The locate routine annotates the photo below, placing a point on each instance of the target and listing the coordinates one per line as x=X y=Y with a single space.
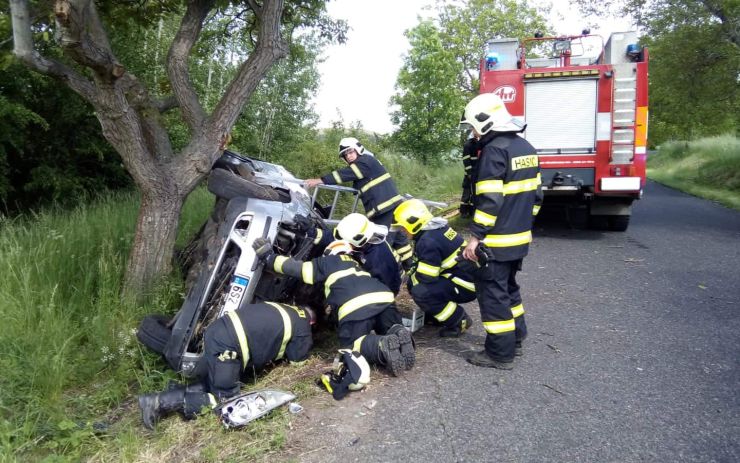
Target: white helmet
x=349 y=143
x=487 y=112
x=359 y=230
x=338 y=247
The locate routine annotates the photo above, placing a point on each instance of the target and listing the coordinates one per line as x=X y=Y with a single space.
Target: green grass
x=708 y=168
x=71 y=365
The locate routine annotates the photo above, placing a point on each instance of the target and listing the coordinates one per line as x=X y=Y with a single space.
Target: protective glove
x=466 y=210
x=302 y=223
x=263 y=248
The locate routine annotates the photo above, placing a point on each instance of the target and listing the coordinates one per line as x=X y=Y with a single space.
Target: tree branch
x=24 y=50
x=165 y=104
x=82 y=36
x=256 y=8
x=270 y=48
x=730 y=26
x=177 y=62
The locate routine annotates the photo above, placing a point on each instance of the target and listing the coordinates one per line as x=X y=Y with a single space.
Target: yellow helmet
x=412 y=215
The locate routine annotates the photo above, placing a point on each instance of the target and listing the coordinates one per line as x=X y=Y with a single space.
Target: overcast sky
x=358 y=77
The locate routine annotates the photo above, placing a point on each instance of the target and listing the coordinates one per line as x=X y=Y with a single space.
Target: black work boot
x=455 y=331
x=157 y=405
x=482 y=359
x=406 y=341
x=390 y=354
x=518 y=350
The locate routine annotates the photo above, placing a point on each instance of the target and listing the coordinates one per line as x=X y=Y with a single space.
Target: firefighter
x=377 y=256
x=378 y=191
x=242 y=340
x=508 y=195
x=440 y=281
x=470 y=160
x=362 y=304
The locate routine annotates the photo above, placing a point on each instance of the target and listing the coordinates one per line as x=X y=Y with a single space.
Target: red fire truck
x=586 y=110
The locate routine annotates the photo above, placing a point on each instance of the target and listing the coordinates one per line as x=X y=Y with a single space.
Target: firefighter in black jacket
x=470 y=161
x=242 y=340
x=440 y=281
x=377 y=256
x=362 y=304
x=508 y=195
x=378 y=191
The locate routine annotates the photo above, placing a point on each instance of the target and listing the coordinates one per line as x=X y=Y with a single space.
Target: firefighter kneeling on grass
x=440 y=281
x=362 y=304
x=242 y=340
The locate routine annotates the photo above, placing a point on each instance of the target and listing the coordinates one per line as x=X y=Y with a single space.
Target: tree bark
x=130 y=117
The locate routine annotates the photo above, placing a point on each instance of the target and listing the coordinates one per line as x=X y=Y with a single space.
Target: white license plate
x=236 y=293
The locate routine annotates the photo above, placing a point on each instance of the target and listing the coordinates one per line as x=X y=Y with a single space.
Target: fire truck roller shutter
x=561 y=114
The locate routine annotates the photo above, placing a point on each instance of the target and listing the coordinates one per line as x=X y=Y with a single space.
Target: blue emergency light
x=633 y=50
x=492 y=60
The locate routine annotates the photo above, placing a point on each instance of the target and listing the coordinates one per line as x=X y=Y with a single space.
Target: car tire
x=619 y=223
x=154 y=333
x=228 y=185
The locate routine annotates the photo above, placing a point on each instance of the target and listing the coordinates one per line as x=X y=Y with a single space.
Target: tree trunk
x=154 y=240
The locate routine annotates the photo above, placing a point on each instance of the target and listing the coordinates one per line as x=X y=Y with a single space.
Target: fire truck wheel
x=619 y=222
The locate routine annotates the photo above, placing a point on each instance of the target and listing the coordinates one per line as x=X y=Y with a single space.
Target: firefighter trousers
x=357 y=334
x=501 y=308
x=440 y=299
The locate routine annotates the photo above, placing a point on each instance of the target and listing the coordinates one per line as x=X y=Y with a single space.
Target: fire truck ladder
x=623 y=117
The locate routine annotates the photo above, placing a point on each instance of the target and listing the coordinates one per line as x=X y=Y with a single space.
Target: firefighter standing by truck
x=440 y=282
x=378 y=191
x=362 y=304
x=242 y=340
x=508 y=195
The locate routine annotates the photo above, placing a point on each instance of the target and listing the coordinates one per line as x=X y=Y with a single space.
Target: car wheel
x=154 y=333
x=228 y=185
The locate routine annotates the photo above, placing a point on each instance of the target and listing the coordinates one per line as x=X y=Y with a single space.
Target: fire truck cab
x=586 y=110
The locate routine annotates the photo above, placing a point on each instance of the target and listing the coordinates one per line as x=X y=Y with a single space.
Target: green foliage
x=695 y=63
x=440 y=73
x=707 y=167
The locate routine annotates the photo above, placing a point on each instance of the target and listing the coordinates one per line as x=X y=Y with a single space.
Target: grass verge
x=708 y=168
x=70 y=360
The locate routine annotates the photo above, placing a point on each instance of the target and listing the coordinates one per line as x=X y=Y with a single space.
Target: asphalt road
x=632 y=356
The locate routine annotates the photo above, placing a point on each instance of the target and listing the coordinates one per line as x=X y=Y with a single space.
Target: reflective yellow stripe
x=464 y=283
x=212 y=400
x=337 y=177
x=450 y=261
x=240 y=335
x=484 y=219
x=380 y=297
x=535 y=209
x=414 y=280
x=356 y=170
x=467 y=156
x=385 y=204
x=341 y=274
x=517 y=310
x=358 y=343
x=426 y=269
x=499 y=327
x=319 y=235
x=502 y=241
x=374 y=182
x=307 y=272
x=468 y=167
x=287 y=329
x=405 y=252
x=447 y=312
x=522 y=186
x=489 y=186
x=277 y=264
